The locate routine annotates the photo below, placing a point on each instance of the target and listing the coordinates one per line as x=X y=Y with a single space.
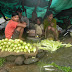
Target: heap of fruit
x=16 y=45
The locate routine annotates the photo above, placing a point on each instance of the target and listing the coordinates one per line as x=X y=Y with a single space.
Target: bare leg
x=20 y=29
x=49 y=27
x=47 y=30
x=21 y=33
x=55 y=33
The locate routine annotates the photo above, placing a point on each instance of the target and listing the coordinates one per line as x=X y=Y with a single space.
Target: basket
x=6 y=53
x=32 y=33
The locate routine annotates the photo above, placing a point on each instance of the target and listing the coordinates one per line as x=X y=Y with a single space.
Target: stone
x=19 y=60
x=46 y=51
x=40 y=50
x=40 y=55
x=31 y=60
x=10 y=58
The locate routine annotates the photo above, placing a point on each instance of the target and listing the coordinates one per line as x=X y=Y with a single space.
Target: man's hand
x=25 y=24
x=52 y=24
x=22 y=24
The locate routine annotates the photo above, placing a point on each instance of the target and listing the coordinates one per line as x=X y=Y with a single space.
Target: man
x=19 y=11
x=14 y=27
x=23 y=18
x=50 y=25
x=39 y=27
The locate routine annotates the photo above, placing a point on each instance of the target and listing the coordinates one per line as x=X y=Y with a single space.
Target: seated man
x=19 y=11
x=21 y=18
x=14 y=27
x=50 y=25
x=33 y=20
x=39 y=27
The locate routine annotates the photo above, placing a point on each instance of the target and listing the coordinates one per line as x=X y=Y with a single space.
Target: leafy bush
x=2 y=60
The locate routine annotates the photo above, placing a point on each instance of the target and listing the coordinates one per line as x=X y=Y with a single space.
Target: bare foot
x=22 y=38
x=57 y=39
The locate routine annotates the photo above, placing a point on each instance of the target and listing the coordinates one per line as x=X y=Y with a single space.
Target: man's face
x=20 y=14
x=50 y=17
x=15 y=18
x=38 y=21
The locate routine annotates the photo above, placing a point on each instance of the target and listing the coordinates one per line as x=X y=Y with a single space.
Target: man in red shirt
x=14 y=27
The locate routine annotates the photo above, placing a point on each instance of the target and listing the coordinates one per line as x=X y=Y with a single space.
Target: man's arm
x=22 y=25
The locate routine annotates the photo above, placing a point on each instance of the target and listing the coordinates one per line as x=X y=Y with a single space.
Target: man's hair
x=39 y=19
x=23 y=19
x=14 y=14
x=19 y=10
x=49 y=13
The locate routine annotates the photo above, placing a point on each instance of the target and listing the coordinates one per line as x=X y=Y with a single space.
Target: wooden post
x=34 y=12
x=48 y=8
x=22 y=3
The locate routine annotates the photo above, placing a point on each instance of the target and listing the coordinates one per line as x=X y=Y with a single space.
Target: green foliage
x=2 y=60
x=64 y=69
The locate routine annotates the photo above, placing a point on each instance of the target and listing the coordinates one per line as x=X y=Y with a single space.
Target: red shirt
x=11 y=26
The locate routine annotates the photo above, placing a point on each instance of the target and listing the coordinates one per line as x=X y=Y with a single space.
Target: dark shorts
x=15 y=34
